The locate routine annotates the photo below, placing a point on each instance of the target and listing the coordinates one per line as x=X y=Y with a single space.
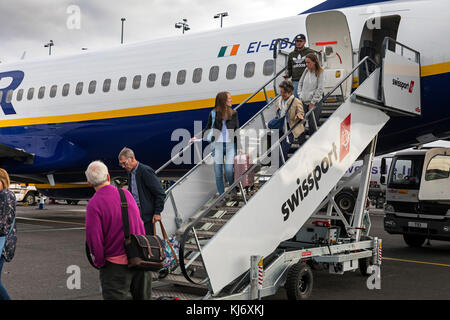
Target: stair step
x=197 y=263
x=205 y=234
x=190 y=247
x=181 y=280
x=212 y=220
x=228 y=209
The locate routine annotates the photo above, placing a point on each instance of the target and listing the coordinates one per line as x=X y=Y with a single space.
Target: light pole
x=183 y=25
x=49 y=46
x=121 y=37
x=221 y=15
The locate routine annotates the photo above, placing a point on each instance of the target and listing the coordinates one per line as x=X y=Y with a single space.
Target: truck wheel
x=364 y=263
x=345 y=201
x=414 y=241
x=299 y=282
x=30 y=199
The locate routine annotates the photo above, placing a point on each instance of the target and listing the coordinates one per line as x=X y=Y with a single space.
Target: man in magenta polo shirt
x=105 y=238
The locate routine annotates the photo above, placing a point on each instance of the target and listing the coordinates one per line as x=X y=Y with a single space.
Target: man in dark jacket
x=145 y=187
x=296 y=62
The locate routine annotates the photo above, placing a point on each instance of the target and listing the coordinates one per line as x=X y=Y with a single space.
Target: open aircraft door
x=328 y=33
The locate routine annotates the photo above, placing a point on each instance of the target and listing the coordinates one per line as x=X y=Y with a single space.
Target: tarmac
x=50 y=256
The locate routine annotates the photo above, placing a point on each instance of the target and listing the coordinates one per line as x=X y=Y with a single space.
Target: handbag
x=278 y=122
x=171 y=248
x=211 y=130
x=144 y=252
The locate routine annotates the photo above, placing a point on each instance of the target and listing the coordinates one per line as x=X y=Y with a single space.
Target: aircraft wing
x=7 y=152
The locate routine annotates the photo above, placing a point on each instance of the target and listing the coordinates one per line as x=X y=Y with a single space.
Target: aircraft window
x=231 y=71
x=249 y=70
x=53 y=91
x=41 y=92
x=165 y=79
x=197 y=76
x=92 y=86
x=214 y=73
x=9 y=96
x=181 y=77
x=79 y=88
x=137 y=82
x=151 y=80
x=19 y=95
x=106 y=85
x=268 y=67
x=122 y=83
x=30 y=93
x=65 y=90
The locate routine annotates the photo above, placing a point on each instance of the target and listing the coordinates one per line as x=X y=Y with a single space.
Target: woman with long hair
x=290 y=107
x=8 y=237
x=310 y=88
x=224 y=125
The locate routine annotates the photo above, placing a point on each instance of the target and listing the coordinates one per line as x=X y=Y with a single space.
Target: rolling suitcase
x=242 y=163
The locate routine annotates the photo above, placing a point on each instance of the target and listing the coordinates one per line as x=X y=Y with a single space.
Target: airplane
x=60 y=113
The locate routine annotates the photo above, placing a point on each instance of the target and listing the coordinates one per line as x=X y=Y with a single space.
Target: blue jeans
x=285 y=146
x=295 y=83
x=223 y=154
x=3 y=294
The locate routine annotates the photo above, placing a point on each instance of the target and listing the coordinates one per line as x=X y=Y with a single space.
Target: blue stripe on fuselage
x=72 y=146
x=401 y=132
x=339 y=4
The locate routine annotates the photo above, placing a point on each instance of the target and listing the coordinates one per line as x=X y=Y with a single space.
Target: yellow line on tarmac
x=420 y=262
x=53 y=221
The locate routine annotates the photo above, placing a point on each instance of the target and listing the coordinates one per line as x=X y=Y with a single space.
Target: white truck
x=26 y=193
x=418 y=195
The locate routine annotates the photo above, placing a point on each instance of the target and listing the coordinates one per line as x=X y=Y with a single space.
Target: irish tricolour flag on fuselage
x=228 y=51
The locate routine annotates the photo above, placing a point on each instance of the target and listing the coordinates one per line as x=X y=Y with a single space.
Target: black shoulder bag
x=144 y=252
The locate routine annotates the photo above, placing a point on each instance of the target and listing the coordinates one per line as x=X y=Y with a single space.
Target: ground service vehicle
x=25 y=193
x=418 y=196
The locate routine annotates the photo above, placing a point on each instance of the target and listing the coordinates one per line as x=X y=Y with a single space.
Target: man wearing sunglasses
x=145 y=187
x=296 y=61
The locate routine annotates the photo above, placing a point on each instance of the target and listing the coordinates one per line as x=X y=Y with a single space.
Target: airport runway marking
x=53 y=221
x=419 y=262
x=54 y=229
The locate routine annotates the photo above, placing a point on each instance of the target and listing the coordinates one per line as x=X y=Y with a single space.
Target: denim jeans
x=3 y=294
x=223 y=154
x=295 y=83
x=285 y=146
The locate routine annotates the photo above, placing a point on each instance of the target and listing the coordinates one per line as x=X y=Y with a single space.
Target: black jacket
x=232 y=124
x=151 y=193
x=296 y=66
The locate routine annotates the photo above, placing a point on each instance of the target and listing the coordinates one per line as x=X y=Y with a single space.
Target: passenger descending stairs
x=219 y=237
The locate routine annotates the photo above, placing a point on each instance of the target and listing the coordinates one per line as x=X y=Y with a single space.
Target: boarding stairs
x=218 y=235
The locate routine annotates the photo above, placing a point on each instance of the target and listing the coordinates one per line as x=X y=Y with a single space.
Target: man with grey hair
x=145 y=187
x=105 y=238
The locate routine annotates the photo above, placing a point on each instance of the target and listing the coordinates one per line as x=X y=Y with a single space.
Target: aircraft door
x=329 y=34
x=281 y=60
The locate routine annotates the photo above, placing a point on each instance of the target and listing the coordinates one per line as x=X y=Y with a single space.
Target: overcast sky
x=27 y=25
